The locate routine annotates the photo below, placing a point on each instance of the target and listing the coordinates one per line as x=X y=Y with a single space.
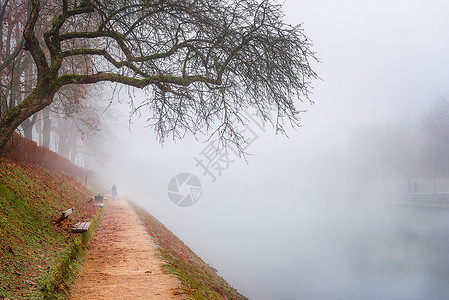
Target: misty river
x=408 y=260
x=298 y=224
x=320 y=243
x=308 y=236
x=390 y=252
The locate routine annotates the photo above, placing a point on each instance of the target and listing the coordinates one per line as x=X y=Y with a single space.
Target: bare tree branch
x=202 y=62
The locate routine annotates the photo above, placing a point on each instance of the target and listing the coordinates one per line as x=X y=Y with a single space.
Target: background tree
x=202 y=61
x=81 y=120
x=436 y=126
x=15 y=66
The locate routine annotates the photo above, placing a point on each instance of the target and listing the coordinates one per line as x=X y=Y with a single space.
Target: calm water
x=339 y=252
x=274 y=246
x=384 y=255
x=406 y=258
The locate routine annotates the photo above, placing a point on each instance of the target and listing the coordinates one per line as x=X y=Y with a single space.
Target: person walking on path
x=114 y=191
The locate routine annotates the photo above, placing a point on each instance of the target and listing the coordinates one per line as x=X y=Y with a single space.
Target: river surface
x=340 y=252
x=288 y=243
x=404 y=258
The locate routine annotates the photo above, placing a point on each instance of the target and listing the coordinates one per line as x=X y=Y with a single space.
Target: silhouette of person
x=114 y=191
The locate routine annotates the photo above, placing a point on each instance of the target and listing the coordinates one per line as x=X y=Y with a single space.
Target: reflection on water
x=402 y=256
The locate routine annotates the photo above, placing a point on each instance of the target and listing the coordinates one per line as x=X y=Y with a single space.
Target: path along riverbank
x=122 y=261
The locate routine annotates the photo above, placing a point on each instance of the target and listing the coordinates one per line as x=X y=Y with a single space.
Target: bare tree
x=81 y=121
x=202 y=61
x=15 y=66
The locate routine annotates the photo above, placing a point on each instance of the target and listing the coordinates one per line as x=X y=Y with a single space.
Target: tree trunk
x=3 y=104
x=63 y=147
x=28 y=124
x=63 y=128
x=72 y=142
x=41 y=97
x=46 y=129
x=27 y=127
x=39 y=128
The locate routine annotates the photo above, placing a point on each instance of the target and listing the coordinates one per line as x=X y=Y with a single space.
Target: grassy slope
x=38 y=257
x=199 y=280
x=33 y=247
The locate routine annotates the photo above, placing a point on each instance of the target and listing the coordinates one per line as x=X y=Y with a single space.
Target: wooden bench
x=65 y=214
x=81 y=227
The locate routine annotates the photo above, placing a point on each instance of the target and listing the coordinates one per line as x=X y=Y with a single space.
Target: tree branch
x=8 y=61
x=32 y=43
x=135 y=82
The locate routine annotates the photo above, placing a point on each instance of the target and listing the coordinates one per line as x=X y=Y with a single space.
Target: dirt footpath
x=121 y=262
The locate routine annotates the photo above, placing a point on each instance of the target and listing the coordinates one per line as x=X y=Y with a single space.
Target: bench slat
x=86 y=226
x=81 y=227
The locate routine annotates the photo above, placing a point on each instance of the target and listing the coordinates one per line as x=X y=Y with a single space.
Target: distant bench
x=65 y=214
x=81 y=227
x=98 y=198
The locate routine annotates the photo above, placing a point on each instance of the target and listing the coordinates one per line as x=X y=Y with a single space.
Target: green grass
x=56 y=282
x=199 y=280
x=37 y=255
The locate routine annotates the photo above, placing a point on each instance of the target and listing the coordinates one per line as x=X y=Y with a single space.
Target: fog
x=300 y=219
